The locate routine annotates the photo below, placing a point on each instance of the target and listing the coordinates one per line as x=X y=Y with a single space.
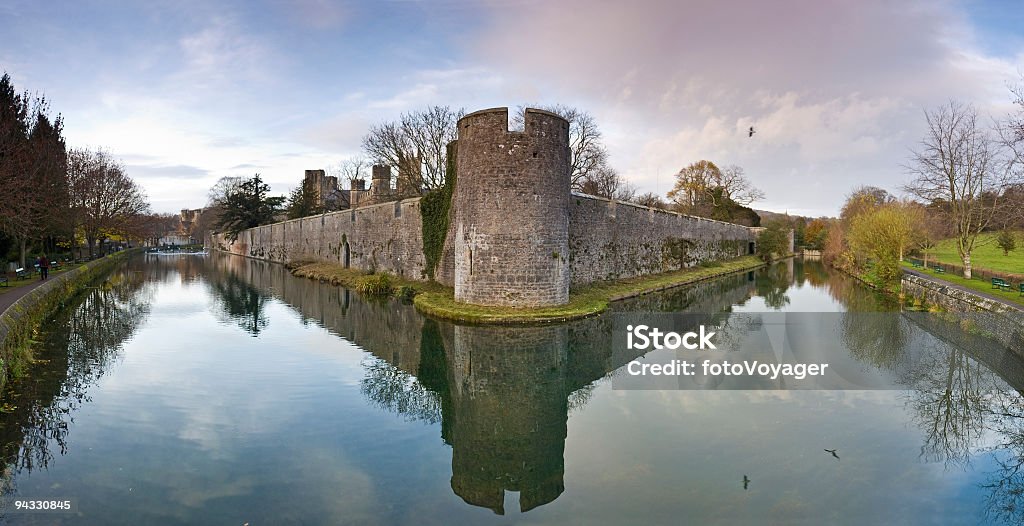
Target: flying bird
x=833 y=451
x=746 y=482
x=751 y=133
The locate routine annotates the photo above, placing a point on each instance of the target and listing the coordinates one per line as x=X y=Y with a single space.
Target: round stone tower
x=512 y=210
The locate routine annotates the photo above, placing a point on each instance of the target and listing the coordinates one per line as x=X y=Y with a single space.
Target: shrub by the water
x=375 y=285
x=406 y=293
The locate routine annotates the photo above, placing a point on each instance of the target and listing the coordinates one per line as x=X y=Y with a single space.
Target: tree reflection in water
x=239 y=302
x=962 y=389
x=771 y=284
x=76 y=348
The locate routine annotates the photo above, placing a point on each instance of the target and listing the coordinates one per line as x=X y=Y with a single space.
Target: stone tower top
x=495 y=120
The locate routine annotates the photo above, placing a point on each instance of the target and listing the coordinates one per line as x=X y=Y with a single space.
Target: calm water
x=221 y=390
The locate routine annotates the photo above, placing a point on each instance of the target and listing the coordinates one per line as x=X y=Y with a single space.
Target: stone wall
x=997 y=319
x=607 y=240
x=386 y=237
x=611 y=240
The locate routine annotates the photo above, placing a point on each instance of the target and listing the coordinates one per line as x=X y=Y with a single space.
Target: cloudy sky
x=187 y=92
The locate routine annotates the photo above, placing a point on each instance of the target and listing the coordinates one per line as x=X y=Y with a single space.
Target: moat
x=222 y=390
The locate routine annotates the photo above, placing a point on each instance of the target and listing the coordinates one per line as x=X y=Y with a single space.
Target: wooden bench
x=21 y=273
x=5 y=281
x=939 y=270
x=1001 y=284
x=916 y=263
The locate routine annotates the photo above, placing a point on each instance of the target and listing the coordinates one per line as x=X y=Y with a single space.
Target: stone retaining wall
x=999 y=320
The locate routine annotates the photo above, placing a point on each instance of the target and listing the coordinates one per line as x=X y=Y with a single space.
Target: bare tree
x=105 y=199
x=1012 y=130
x=736 y=187
x=429 y=132
x=959 y=162
x=587 y=153
x=149 y=228
x=352 y=169
x=650 y=199
x=606 y=182
x=416 y=145
x=222 y=188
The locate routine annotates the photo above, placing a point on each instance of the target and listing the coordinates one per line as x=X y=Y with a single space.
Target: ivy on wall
x=434 y=209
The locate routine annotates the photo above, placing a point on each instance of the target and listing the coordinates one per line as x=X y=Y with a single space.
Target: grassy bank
x=436 y=300
x=20 y=323
x=1012 y=297
x=372 y=284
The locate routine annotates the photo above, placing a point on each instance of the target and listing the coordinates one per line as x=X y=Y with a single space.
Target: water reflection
x=503 y=395
x=78 y=347
x=239 y=302
x=503 y=398
x=773 y=282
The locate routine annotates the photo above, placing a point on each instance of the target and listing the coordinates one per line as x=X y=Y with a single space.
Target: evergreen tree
x=1006 y=241
x=302 y=201
x=246 y=206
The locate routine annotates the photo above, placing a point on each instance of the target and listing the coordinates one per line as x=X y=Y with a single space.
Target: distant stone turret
x=512 y=210
x=324 y=188
x=380 y=182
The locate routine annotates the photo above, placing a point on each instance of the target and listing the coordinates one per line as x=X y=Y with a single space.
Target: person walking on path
x=44 y=267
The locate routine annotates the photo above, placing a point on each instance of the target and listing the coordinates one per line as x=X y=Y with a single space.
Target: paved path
x=937 y=279
x=7 y=299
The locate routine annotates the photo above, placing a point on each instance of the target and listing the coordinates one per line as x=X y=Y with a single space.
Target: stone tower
x=512 y=210
x=380 y=182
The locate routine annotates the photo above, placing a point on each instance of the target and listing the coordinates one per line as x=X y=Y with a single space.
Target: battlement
x=495 y=120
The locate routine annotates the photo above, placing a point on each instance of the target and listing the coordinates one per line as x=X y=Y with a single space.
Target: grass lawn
x=986 y=254
x=985 y=286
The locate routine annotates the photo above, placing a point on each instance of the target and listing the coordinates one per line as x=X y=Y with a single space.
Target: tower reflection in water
x=501 y=394
x=506 y=420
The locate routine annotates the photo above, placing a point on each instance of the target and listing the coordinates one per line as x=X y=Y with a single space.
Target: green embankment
x=436 y=300
x=986 y=255
x=20 y=323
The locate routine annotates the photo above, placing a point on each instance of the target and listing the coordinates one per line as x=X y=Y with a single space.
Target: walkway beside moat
x=8 y=298
x=938 y=280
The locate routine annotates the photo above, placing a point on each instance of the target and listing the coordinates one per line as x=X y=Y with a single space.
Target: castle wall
x=386 y=238
x=516 y=235
x=606 y=240
x=612 y=240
